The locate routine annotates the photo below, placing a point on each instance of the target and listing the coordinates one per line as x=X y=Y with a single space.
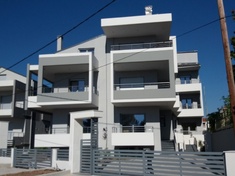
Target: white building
x=12 y=119
x=145 y=93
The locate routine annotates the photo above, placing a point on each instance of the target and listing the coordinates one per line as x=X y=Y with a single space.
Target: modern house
x=145 y=93
x=12 y=120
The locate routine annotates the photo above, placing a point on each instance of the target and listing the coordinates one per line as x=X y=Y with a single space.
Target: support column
x=76 y=131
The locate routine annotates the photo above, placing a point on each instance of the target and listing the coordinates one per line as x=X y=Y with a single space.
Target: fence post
x=54 y=157
x=144 y=163
x=180 y=163
x=13 y=156
x=119 y=162
x=229 y=162
x=35 y=158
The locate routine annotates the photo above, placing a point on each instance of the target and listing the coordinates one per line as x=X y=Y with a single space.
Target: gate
x=146 y=163
x=32 y=158
x=85 y=156
x=87 y=147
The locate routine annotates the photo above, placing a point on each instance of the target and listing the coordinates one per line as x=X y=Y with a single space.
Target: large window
x=77 y=85
x=129 y=83
x=132 y=122
x=185 y=79
x=186 y=103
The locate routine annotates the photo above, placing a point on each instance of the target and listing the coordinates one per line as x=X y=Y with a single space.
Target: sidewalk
x=65 y=173
x=7 y=169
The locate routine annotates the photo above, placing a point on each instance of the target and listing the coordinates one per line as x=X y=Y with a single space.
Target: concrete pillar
x=54 y=158
x=76 y=131
x=229 y=162
x=157 y=135
x=3 y=134
x=12 y=156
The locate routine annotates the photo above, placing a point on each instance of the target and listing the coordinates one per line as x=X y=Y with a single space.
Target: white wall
x=3 y=134
x=52 y=140
x=132 y=139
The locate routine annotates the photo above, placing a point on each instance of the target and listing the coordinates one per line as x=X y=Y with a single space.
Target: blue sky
x=28 y=25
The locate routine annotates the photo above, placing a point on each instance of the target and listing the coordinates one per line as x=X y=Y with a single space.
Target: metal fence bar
x=139 y=162
x=5 y=152
x=63 y=154
x=33 y=158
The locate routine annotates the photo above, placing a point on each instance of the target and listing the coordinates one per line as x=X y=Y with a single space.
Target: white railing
x=142 y=45
x=193 y=105
x=60 y=130
x=132 y=129
x=151 y=85
x=12 y=134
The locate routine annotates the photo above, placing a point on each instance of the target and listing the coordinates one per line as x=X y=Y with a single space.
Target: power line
x=176 y=37
x=65 y=33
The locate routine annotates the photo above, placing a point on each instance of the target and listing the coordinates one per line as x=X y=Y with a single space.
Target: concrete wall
x=220 y=141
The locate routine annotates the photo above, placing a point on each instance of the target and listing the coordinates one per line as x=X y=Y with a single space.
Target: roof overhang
x=157 y=25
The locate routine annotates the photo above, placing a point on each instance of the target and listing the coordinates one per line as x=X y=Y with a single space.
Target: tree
x=212 y=119
x=222 y=117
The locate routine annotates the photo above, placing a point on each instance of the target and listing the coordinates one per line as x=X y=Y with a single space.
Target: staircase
x=191 y=148
x=168 y=145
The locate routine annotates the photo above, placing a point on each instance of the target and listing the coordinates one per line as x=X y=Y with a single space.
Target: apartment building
x=132 y=78
x=12 y=120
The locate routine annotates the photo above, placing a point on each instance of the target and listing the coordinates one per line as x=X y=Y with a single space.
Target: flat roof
x=145 y=25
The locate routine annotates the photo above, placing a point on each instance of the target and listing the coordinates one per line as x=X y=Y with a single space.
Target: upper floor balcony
x=65 y=80
x=191 y=105
x=133 y=46
x=138 y=82
x=187 y=84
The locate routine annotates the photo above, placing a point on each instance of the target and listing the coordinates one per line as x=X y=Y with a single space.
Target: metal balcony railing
x=132 y=129
x=60 y=130
x=142 y=45
x=68 y=89
x=152 y=85
x=193 y=105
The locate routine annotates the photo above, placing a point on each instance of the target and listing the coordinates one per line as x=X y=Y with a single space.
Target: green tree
x=213 y=118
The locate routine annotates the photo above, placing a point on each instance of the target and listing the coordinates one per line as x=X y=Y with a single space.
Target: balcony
x=132 y=136
x=142 y=45
x=191 y=110
x=140 y=92
x=192 y=85
x=54 y=139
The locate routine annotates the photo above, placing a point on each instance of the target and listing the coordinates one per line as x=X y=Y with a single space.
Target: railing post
x=180 y=163
x=119 y=162
x=144 y=163
x=133 y=130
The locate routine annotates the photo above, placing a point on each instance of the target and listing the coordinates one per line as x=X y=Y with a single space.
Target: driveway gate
x=134 y=163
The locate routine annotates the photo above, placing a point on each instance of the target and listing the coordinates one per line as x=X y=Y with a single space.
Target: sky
x=26 y=26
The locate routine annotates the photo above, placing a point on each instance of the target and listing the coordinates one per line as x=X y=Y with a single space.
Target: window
x=85 y=50
x=86 y=125
x=5 y=102
x=77 y=86
x=132 y=122
x=186 y=103
x=129 y=83
x=185 y=79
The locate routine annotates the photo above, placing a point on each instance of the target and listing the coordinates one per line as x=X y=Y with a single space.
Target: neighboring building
x=12 y=120
x=132 y=76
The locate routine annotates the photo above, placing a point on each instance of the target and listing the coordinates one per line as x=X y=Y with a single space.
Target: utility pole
x=227 y=58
